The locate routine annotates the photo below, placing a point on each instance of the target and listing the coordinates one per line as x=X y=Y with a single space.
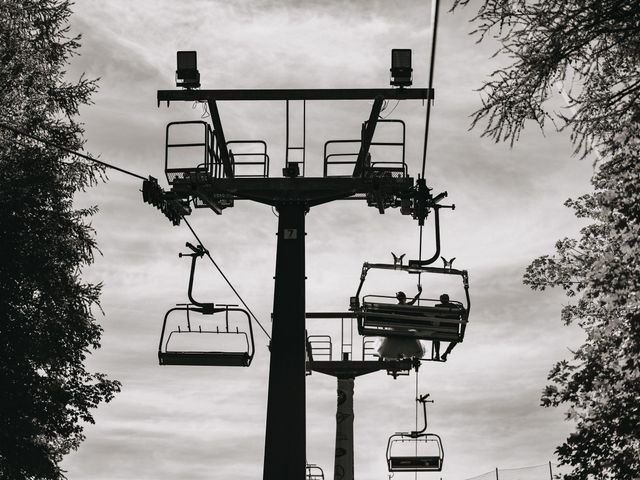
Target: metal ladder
x=304 y=137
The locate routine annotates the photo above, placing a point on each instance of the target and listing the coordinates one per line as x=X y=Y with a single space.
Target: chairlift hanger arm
x=423 y=400
x=296 y=94
x=434 y=257
x=199 y=251
x=365 y=268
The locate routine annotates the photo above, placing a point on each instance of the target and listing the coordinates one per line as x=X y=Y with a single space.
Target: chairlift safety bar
x=416 y=270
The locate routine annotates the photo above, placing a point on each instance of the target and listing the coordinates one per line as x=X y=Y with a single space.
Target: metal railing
x=321 y=347
x=399 y=166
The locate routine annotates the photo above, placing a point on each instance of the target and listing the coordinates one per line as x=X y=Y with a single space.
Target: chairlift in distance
x=415 y=451
x=432 y=319
x=313 y=472
x=205 y=357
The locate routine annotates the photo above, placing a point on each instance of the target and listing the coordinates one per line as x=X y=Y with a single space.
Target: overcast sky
x=208 y=423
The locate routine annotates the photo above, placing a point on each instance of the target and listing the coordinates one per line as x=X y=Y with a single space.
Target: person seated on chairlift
x=397 y=348
x=402 y=297
x=444 y=302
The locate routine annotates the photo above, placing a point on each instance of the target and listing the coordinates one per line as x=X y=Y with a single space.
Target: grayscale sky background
x=208 y=423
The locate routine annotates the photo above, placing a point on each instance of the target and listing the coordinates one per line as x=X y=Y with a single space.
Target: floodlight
x=187 y=75
x=401 y=71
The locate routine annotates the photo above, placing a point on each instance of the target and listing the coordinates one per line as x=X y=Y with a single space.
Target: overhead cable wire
x=417 y=395
x=68 y=150
x=108 y=165
x=420 y=255
x=225 y=277
x=432 y=60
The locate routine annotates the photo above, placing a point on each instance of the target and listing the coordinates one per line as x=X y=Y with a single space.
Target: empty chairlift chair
x=218 y=344
x=313 y=472
x=432 y=319
x=204 y=333
x=401 y=456
x=415 y=451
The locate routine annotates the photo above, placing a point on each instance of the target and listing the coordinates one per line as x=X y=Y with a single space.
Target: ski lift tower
x=216 y=183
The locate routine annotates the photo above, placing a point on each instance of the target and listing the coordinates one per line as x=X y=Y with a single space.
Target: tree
x=591 y=48
x=47 y=325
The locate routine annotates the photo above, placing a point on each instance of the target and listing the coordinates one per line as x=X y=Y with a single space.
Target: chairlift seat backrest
x=416 y=321
x=207 y=359
x=416 y=464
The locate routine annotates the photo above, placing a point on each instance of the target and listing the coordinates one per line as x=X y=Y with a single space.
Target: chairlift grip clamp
x=423 y=398
x=198 y=251
x=363 y=275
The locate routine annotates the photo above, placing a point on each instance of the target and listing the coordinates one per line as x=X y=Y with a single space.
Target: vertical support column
x=285 y=447
x=343 y=468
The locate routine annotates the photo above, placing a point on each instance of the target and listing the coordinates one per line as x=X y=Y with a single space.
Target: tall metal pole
x=285 y=447
x=344 y=468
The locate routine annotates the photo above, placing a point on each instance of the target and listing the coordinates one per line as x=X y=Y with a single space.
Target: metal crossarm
x=296 y=94
x=309 y=191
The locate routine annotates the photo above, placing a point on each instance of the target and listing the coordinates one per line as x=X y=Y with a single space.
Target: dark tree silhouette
x=47 y=325
x=592 y=48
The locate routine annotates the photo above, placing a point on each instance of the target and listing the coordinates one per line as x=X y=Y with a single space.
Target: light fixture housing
x=401 y=71
x=187 y=75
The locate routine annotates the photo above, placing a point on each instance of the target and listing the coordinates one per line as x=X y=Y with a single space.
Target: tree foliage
x=47 y=325
x=588 y=48
x=593 y=47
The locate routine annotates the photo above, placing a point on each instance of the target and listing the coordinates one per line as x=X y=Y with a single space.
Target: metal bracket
x=367 y=136
x=222 y=143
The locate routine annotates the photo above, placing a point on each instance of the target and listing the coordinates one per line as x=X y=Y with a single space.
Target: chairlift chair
x=415 y=451
x=191 y=355
x=430 y=320
x=219 y=326
x=313 y=472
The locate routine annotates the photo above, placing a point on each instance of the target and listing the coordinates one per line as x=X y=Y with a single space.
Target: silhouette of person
x=444 y=302
x=394 y=348
x=402 y=297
